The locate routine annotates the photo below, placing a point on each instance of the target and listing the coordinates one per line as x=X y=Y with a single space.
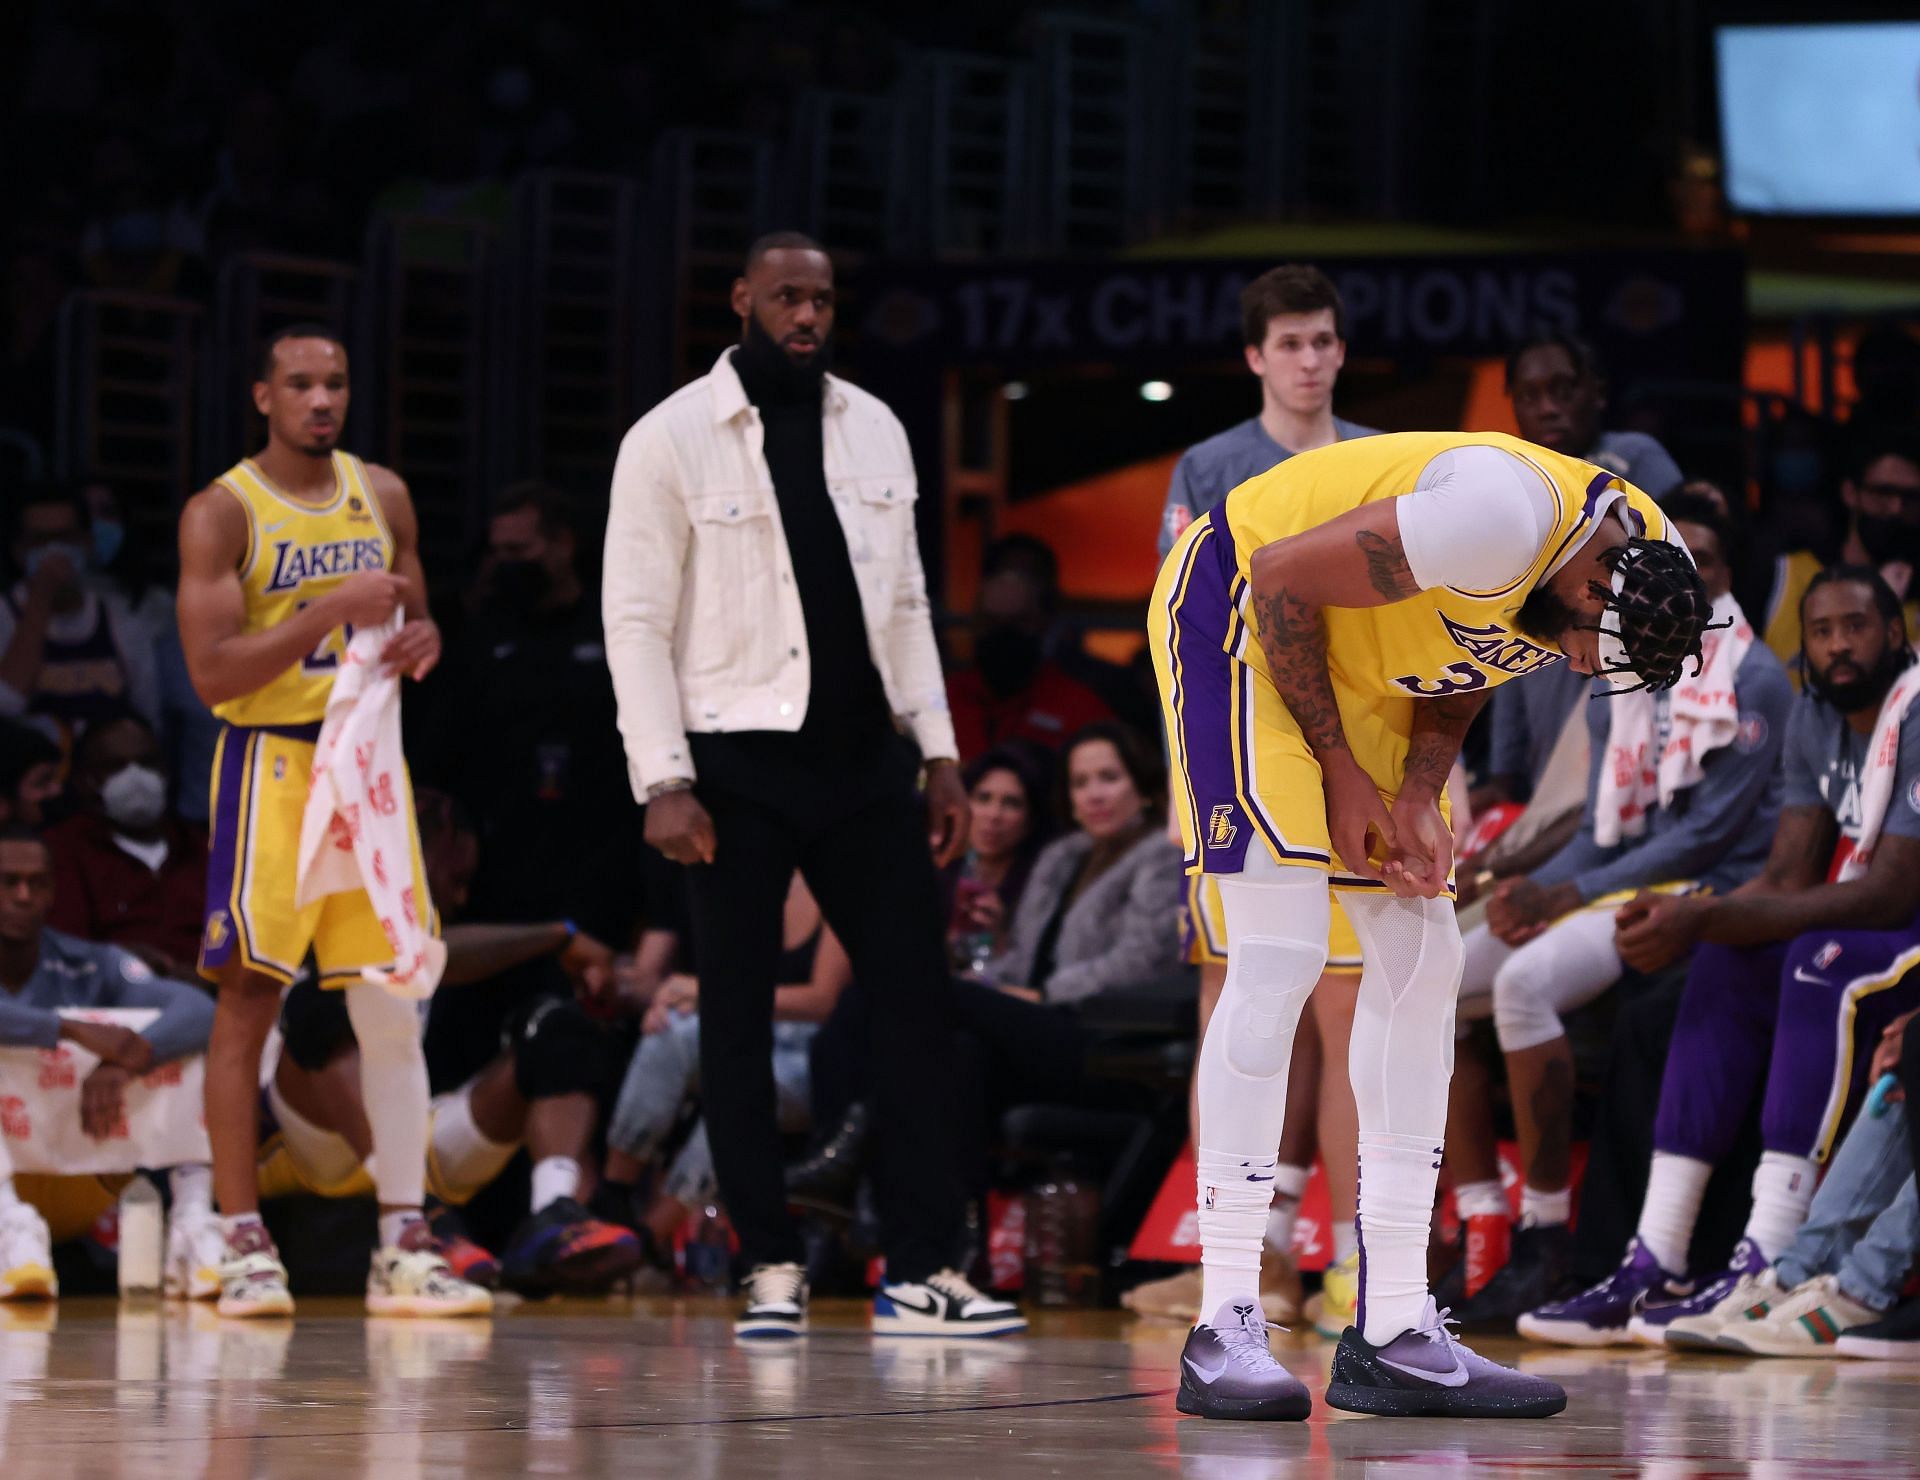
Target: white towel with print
x=1641 y=770
x=356 y=834
x=1876 y=777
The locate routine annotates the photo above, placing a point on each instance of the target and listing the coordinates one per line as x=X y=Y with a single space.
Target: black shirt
x=848 y=724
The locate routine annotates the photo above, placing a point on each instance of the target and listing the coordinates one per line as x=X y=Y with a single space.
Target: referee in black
x=780 y=696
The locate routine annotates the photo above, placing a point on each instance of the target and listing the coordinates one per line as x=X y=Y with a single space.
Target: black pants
x=1622 y=1147
x=1006 y=1052
x=870 y=870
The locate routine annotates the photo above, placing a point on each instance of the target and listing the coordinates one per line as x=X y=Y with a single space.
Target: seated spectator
x=1013 y=690
x=982 y=890
x=1697 y=810
x=536 y=1079
x=1559 y=390
x=29 y=773
x=1794 y=977
x=663 y=1078
x=1881 y=496
x=125 y=872
x=68 y=654
x=1846 y=1267
x=41 y=972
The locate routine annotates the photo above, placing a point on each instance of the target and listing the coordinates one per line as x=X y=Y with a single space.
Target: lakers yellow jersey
x=296 y=553
x=1442 y=641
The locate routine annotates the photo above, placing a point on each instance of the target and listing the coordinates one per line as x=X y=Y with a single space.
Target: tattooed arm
x=1439 y=725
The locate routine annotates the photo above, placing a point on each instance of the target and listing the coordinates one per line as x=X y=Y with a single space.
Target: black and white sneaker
x=1425 y=1373
x=1227 y=1370
x=776 y=1303
x=942 y=1304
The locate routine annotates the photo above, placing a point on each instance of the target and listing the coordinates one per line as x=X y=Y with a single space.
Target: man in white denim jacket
x=768 y=631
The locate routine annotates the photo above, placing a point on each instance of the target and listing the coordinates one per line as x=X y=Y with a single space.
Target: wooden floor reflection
x=660 y=1388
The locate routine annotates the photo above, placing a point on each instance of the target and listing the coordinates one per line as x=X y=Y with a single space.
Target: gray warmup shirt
x=1718 y=830
x=1208 y=471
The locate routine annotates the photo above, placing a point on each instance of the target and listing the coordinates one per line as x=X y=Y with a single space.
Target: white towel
x=1876 y=778
x=356 y=834
x=1703 y=715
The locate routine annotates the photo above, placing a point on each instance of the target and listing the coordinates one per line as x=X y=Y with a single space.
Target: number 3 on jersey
x=1466 y=678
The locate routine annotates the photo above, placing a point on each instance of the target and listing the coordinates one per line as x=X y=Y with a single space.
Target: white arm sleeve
x=1476 y=519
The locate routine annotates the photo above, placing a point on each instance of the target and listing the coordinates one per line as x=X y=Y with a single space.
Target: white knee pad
x=386 y=1027
x=1268 y=982
x=1523 y=1017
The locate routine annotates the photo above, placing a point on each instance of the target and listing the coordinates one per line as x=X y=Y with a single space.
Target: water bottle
x=1063 y=1239
x=708 y=1258
x=972 y=948
x=142 y=1238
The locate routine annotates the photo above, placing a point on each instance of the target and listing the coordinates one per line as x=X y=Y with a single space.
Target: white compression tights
x=1276 y=947
x=1401 y=1060
x=393 y=1086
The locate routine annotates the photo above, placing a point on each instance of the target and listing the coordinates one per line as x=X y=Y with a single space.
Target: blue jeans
x=1864 y=1224
x=665 y=1073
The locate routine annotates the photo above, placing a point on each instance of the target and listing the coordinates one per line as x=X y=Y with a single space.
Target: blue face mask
x=108 y=536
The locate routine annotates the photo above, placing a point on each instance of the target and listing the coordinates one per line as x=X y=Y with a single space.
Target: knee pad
x=1268 y=982
x=1522 y=1015
x=558 y=1050
x=386 y=1026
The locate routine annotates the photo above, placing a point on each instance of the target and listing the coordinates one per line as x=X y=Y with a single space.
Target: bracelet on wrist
x=668 y=788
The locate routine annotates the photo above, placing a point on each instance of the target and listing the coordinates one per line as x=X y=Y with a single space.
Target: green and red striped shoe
x=1804 y=1323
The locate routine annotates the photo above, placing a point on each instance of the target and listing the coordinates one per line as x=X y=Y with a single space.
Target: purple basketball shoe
x=1600 y=1316
x=1427 y=1373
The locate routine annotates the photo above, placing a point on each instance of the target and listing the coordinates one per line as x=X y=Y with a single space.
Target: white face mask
x=134 y=796
x=1615 y=666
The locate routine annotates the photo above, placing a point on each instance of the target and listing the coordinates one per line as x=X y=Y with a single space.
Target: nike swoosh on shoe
x=1456 y=1378
x=1202 y=1373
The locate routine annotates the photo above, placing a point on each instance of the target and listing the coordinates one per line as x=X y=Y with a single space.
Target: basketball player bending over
x=280 y=559
x=1322 y=640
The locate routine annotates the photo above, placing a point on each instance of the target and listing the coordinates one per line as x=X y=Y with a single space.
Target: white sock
x=1486 y=1199
x=1397 y=1179
x=1782 y=1191
x=8 y=1197
x=1675 y=1185
x=554 y=1177
x=192 y=1188
x=1233 y=1217
x=1543 y=1209
x=231 y=1225
x=393 y=1225
x=1346 y=1241
x=1289 y=1184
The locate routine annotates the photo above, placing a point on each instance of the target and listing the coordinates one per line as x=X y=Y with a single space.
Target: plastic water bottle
x=142 y=1238
x=708 y=1258
x=1063 y=1239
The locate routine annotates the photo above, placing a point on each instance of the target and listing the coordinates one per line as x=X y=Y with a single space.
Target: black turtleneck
x=848 y=718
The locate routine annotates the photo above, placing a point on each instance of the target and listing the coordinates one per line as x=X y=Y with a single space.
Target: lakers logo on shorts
x=217 y=930
x=1220 y=829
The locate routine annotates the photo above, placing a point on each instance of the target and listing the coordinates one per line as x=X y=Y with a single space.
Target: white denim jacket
x=703 y=623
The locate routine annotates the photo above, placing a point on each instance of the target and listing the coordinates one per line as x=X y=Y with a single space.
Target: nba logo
x=279 y=768
x=1827 y=955
x=1220 y=829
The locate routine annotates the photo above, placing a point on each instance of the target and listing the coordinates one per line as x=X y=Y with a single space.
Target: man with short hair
x=772 y=648
x=42 y=971
x=126 y=871
x=1793 y=979
x=1559 y=389
x=1293 y=330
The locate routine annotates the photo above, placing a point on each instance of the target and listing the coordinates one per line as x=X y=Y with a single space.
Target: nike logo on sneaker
x=1453 y=1379
x=931 y=1308
x=1205 y=1374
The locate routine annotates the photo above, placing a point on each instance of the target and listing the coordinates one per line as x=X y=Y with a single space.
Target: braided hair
x=1654 y=616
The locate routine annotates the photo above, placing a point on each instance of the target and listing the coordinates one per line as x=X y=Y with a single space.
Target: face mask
x=134 y=796
x=1008 y=658
x=76 y=556
x=519 y=586
x=1889 y=539
x=108 y=536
